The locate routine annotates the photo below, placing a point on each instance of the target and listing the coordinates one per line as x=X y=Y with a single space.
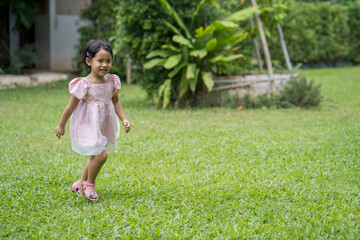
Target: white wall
x=64 y=38
x=56 y=36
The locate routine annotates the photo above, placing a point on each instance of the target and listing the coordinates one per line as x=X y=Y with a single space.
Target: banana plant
x=191 y=57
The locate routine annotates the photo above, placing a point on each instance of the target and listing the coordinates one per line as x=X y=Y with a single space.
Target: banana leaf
x=199 y=53
x=225 y=26
x=230 y=39
x=201 y=32
x=171 y=48
x=208 y=80
x=211 y=45
x=185 y=53
x=182 y=41
x=160 y=93
x=158 y=53
x=184 y=83
x=193 y=81
x=177 y=69
x=154 y=62
x=172 y=27
x=167 y=93
x=190 y=70
x=228 y=58
x=172 y=61
x=241 y=15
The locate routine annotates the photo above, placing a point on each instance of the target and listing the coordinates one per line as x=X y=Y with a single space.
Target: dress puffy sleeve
x=115 y=80
x=79 y=87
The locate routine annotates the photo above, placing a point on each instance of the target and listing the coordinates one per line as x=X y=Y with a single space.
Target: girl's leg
x=84 y=175
x=94 y=167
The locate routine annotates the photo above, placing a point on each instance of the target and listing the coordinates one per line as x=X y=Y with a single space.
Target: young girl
x=93 y=106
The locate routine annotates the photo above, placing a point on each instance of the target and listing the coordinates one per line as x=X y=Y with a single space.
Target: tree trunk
x=128 y=71
x=265 y=47
x=284 y=48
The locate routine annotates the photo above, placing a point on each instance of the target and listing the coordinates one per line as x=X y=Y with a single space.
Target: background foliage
x=325 y=38
x=100 y=23
x=328 y=38
x=26 y=55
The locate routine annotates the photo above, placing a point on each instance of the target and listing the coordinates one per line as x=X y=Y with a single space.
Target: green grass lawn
x=204 y=173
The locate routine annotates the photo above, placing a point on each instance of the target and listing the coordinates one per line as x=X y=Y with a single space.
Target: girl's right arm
x=60 y=129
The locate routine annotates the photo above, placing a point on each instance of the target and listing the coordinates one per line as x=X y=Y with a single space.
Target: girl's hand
x=126 y=124
x=59 y=131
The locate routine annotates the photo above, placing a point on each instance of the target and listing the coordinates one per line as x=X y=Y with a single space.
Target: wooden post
x=265 y=47
x=128 y=71
x=283 y=45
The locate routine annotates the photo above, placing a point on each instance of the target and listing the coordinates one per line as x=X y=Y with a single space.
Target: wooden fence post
x=283 y=45
x=265 y=47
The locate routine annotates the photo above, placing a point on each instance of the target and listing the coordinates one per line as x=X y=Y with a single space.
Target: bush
x=25 y=56
x=354 y=35
x=301 y=93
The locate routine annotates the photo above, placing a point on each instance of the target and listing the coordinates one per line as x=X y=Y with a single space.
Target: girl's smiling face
x=100 y=64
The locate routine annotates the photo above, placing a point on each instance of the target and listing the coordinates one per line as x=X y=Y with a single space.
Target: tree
x=100 y=18
x=191 y=59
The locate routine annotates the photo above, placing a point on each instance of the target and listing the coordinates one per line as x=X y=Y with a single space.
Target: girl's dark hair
x=92 y=47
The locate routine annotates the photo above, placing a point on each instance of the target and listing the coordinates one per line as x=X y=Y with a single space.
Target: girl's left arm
x=120 y=112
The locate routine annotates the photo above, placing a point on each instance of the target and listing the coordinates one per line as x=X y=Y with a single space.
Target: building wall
x=64 y=38
x=57 y=33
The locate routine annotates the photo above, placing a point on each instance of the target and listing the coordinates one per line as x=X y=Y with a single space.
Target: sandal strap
x=92 y=196
x=88 y=184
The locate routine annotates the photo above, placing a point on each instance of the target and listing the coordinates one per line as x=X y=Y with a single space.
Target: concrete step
x=33 y=79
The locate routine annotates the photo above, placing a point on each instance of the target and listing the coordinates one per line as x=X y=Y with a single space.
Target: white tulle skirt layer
x=94 y=127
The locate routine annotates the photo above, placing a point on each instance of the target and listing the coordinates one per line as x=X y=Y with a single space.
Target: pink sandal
x=75 y=189
x=92 y=196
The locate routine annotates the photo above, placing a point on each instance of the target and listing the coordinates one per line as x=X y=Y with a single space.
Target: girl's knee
x=104 y=156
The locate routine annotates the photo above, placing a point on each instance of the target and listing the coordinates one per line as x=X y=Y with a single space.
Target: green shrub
x=25 y=56
x=300 y=93
x=354 y=35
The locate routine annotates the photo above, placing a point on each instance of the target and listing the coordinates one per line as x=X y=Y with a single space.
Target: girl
x=93 y=107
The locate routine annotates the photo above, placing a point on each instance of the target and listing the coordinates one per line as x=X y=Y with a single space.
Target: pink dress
x=94 y=125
